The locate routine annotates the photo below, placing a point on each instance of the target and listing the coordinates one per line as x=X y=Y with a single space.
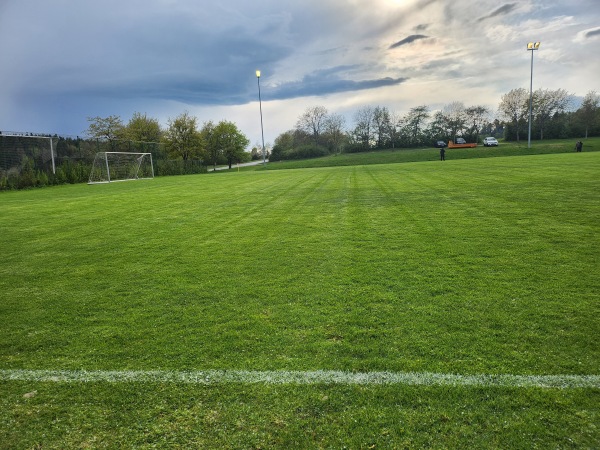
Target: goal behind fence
x=121 y=166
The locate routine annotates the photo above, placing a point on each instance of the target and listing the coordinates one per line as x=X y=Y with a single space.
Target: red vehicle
x=460 y=143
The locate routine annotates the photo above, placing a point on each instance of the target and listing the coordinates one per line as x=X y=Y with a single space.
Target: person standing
x=442 y=154
x=578 y=146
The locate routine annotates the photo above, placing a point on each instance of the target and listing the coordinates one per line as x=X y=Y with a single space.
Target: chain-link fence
x=34 y=160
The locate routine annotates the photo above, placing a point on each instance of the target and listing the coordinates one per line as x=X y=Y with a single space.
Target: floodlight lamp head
x=258 y=74
x=533 y=45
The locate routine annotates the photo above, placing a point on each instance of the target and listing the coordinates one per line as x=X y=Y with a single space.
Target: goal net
x=121 y=166
x=15 y=148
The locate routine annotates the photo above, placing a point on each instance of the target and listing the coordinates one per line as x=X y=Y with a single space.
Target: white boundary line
x=211 y=377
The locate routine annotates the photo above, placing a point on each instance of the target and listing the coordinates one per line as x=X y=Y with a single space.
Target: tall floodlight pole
x=531 y=46
x=261 y=119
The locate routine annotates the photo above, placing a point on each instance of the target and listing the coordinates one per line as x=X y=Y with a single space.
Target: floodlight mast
x=531 y=46
x=261 y=119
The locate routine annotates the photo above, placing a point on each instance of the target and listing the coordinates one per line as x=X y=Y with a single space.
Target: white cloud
x=70 y=60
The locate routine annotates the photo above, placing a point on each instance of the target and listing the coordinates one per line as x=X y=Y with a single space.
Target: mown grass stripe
x=208 y=377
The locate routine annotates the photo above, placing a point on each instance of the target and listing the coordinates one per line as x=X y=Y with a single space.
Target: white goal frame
x=101 y=167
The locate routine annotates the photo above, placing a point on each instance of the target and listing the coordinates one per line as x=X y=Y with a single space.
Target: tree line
x=184 y=146
x=318 y=132
x=211 y=143
x=551 y=114
x=34 y=160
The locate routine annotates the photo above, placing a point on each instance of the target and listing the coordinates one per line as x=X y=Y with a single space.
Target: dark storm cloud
x=66 y=60
x=408 y=40
x=502 y=11
x=196 y=57
x=164 y=53
x=189 y=66
x=234 y=89
x=325 y=82
x=593 y=33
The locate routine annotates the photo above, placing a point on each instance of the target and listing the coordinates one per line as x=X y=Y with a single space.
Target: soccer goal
x=13 y=146
x=121 y=166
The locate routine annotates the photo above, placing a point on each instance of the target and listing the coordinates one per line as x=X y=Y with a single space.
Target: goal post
x=121 y=166
x=41 y=151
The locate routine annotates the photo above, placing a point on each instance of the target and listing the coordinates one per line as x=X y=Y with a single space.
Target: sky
x=64 y=61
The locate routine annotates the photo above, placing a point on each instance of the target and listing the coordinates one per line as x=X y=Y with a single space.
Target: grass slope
x=471 y=267
x=552 y=146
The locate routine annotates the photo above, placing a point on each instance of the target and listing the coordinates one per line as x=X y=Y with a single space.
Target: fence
x=33 y=160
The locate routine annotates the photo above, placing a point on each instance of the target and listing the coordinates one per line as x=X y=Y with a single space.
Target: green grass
x=479 y=266
x=432 y=154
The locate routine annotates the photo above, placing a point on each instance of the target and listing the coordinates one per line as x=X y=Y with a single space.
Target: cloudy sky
x=63 y=61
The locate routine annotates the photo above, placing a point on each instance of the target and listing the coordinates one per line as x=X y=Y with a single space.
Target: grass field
x=195 y=311
x=552 y=146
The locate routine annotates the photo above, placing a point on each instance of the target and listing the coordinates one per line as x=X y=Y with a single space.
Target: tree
x=256 y=152
x=363 y=133
x=456 y=117
x=588 y=112
x=395 y=127
x=313 y=121
x=438 y=127
x=182 y=137
x=547 y=103
x=381 y=126
x=334 y=132
x=211 y=147
x=141 y=128
x=414 y=124
x=230 y=141
x=108 y=129
x=283 y=144
x=477 y=118
x=513 y=107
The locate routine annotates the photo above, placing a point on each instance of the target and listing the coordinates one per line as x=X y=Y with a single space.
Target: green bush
x=42 y=178
x=356 y=148
x=276 y=153
x=305 y=152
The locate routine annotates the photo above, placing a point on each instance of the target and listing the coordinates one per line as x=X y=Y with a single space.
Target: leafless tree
x=312 y=122
x=456 y=116
x=589 y=109
x=334 y=130
x=381 y=126
x=477 y=118
x=513 y=107
x=363 y=130
x=546 y=103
